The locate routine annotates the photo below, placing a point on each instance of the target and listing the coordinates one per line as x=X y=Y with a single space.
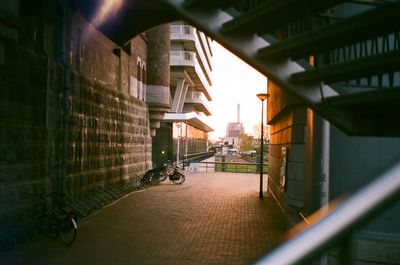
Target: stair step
x=379 y=21
x=372 y=65
x=276 y=13
x=355 y=114
x=208 y=3
x=368 y=114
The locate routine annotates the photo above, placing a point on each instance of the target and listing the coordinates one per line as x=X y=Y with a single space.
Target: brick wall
x=109 y=141
x=109 y=129
x=28 y=148
x=287 y=119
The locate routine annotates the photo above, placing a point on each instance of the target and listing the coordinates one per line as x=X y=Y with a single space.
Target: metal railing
x=336 y=228
x=197 y=156
x=232 y=167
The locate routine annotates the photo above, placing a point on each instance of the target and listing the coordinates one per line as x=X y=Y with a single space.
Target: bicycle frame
x=58 y=220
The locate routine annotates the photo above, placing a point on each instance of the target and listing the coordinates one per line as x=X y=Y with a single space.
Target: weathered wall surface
x=29 y=152
x=108 y=136
x=287 y=120
x=109 y=129
x=110 y=140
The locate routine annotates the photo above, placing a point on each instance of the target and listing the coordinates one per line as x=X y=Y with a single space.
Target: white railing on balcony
x=188 y=59
x=198 y=97
x=179 y=31
x=183 y=58
x=195 y=96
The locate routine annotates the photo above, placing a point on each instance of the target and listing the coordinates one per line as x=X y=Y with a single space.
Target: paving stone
x=213 y=218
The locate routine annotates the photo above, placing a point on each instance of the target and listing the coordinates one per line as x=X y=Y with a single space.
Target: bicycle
x=161 y=173
x=153 y=176
x=58 y=221
x=171 y=171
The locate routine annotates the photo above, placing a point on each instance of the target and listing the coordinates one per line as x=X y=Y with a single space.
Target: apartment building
x=184 y=130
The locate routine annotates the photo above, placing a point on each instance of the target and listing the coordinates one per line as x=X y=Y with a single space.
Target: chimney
x=238 y=113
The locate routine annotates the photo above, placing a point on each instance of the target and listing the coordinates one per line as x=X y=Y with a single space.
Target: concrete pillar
x=179 y=97
x=158 y=74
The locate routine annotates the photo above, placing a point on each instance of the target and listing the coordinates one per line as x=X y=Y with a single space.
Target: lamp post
x=262 y=97
x=178 y=126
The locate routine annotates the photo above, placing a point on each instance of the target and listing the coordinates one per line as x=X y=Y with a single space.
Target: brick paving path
x=213 y=218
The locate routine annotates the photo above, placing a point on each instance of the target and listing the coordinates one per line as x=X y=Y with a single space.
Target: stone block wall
x=108 y=132
x=28 y=147
x=109 y=139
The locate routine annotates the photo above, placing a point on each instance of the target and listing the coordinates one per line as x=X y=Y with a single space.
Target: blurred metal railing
x=336 y=228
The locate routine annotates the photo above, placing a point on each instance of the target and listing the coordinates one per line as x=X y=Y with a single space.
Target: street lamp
x=262 y=97
x=178 y=126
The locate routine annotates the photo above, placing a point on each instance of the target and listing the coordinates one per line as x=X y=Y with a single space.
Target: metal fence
x=337 y=227
x=233 y=167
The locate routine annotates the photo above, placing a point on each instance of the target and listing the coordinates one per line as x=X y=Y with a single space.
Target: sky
x=234 y=82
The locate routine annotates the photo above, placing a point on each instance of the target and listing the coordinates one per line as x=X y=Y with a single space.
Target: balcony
x=189 y=36
x=183 y=32
x=196 y=100
x=190 y=118
x=187 y=61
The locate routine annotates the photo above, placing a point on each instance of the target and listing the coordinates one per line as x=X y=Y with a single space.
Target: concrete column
x=157 y=82
x=180 y=96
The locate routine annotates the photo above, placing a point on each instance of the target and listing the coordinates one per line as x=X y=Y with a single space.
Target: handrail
x=189 y=156
x=338 y=225
x=233 y=163
x=238 y=167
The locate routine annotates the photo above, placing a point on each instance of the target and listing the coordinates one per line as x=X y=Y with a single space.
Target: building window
x=144 y=81
x=187 y=56
x=139 y=78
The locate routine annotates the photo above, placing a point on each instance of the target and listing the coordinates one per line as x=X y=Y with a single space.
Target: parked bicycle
x=161 y=173
x=173 y=173
x=58 y=220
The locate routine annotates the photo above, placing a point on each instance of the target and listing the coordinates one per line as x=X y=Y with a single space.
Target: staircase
x=341 y=58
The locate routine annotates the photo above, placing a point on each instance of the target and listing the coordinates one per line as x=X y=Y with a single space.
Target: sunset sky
x=234 y=82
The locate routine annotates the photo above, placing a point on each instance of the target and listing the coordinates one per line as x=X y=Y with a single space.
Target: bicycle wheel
x=178 y=178
x=147 y=178
x=155 y=177
x=68 y=230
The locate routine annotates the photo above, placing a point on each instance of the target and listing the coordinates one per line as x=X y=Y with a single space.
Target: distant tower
x=234 y=130
x=238 y=113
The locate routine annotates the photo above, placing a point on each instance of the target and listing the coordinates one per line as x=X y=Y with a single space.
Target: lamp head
x=263 y=96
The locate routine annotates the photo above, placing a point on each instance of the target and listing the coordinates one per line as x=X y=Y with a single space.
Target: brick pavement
x=213 y=218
